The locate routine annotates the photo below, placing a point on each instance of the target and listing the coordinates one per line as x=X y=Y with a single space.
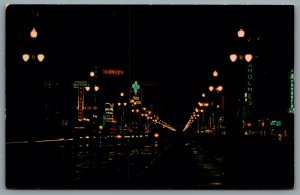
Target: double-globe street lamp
x=215 y=106
x=245 y=93
x=122 y=104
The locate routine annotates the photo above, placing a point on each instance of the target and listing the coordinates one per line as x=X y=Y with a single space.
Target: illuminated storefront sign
x=135 y=87
x=80 y=105
x=136 y=100
x=292 y=104
x=80 y=84
x=109 y=112
x=112 y=72
x=275 y=123
x=250 y=83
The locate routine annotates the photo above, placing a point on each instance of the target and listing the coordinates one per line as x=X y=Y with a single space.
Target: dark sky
x=174 y=47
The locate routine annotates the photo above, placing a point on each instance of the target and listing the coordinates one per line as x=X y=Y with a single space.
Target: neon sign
x=292 y=104
x=135 y=87
x=250 y=84
x=80 y=105
x=112 y=72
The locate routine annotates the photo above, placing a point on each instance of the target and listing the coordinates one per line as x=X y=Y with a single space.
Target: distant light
x=241 y=33
x=125 y=103
x=121 y=94
x=87 y=88
x=203 y=94
x=220 y=88
x=233 y=57
x=211 y=88
x=33 y=33
x=215 y=73
x=119 y=103
x=41 y=57
x=156 y=135
x=118 y=136
x=248 y=57
x=25 y=57
x=92 y=74
x=96 y=88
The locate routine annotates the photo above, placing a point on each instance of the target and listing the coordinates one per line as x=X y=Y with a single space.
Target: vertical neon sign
x=250 y=85
x=292 y=103
x=80 y=103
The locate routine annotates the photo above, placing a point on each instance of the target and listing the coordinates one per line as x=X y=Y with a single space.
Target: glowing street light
x=92 y=74
x=25 y=57
x=219 y=88
x=211 y=88
x=87 y=88
x=33 y=33
x=233 y=57
x=203 y=94
x=40 y=57
x=96 y=88
x=215 y=73
x=248 y=57
x=121 y=94
x=241 y=33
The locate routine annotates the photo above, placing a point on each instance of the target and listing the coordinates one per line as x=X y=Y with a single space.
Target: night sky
x=175 y=48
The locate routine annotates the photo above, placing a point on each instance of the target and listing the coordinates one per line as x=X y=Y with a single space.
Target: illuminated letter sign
x=250 y=84
x=112 y=72
x=292 y=78
x=80 y=103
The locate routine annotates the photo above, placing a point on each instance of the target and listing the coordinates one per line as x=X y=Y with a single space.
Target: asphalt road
x=202 y=162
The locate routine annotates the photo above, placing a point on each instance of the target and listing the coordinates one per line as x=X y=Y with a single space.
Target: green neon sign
x=135 y=87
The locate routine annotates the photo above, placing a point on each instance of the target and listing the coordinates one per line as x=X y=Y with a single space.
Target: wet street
x=68 y=164
x=204 y=162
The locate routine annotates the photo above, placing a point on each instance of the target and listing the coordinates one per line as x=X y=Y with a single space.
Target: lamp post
x=34 y=58
x=215 y=106
x=215 y=90
x=122 y=104
x=245 y=94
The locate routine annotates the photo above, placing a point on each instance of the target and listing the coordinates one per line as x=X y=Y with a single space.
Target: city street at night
x=149 y=97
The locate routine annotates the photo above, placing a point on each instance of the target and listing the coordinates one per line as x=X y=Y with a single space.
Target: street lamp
x=241 y=33
x=96 y=88
x=25 y=57
x=87 y=88
x=215 y=73
x=248 y=57
x=92 y=73
x=33 y=33
x=233 y=57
